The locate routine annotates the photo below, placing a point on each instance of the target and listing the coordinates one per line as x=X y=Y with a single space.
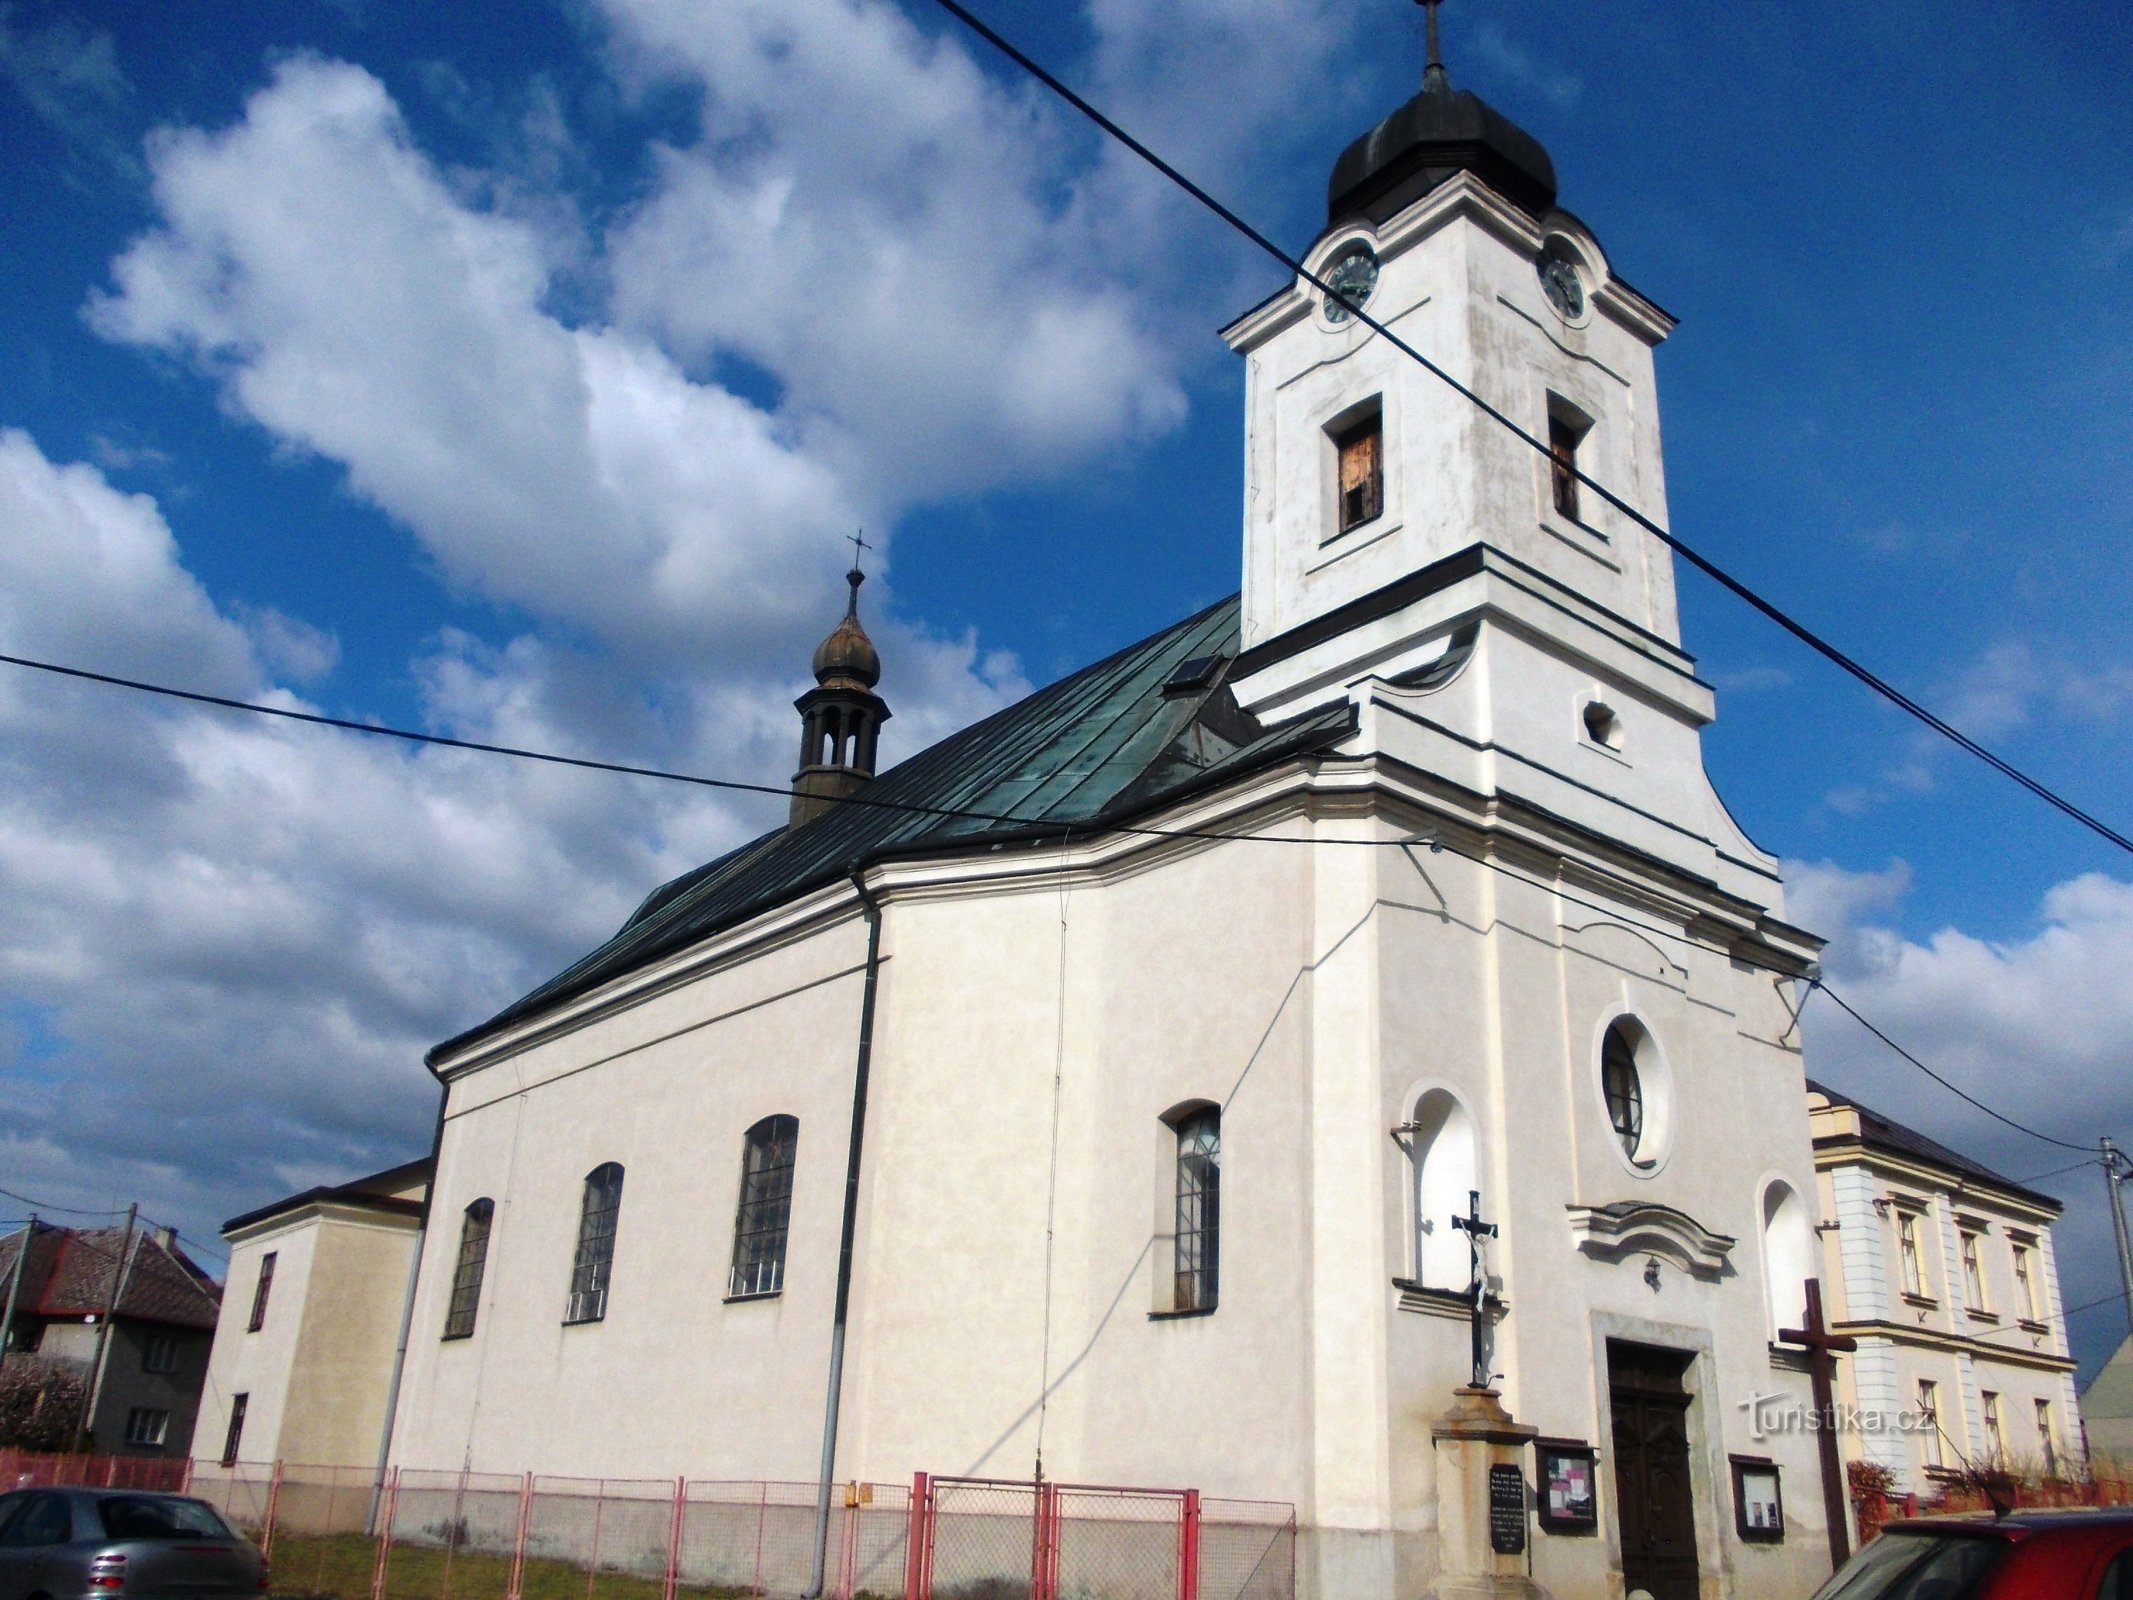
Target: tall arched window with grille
x=764 y=1215
x=594 y=1265
x=467 y=1272
x=1199 y=1230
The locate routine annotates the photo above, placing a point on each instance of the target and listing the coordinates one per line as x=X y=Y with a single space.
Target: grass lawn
x=339 y=1567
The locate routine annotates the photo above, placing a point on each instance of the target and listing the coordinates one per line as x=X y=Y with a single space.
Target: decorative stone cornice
x=1638 y=1227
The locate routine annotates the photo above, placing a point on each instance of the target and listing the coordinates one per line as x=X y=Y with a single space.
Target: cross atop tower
x=859 y=545
x=1433 y=75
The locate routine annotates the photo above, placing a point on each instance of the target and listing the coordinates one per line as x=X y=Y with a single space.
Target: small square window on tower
x=1359 y=447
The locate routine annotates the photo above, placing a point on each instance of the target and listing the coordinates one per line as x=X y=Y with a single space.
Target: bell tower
x=1364 y=470
x=840 y=718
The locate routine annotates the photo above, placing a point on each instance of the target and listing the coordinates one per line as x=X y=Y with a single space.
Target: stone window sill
x=1179 y=1316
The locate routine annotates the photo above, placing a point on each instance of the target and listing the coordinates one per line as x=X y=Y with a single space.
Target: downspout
x=872 y=908
x=407 y=1317
x=14 y=1287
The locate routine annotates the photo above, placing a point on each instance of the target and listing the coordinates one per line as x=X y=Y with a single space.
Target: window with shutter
x=1361 y=449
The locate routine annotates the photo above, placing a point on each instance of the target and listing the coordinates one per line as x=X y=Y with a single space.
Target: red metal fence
x=31 y=1469
x=344 y=1534
x=1004 y=1539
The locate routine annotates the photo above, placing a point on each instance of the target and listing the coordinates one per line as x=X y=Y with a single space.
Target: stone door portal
x=1655 y=1513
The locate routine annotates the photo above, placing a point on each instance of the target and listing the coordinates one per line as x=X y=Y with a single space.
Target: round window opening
x=1624 y=1089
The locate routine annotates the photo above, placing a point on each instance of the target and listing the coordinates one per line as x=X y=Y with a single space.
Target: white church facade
x=1176 y=1011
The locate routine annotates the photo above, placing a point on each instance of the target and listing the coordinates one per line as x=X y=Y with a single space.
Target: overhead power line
x=1703 y=564
x=1954 y=1089
x=1433 y=842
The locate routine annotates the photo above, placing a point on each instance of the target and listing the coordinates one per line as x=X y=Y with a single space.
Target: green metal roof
x=1092 y=750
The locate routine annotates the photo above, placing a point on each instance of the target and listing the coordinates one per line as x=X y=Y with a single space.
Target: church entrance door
x=1654 y=1510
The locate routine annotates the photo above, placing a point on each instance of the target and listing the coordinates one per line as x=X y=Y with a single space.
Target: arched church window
x=467 y=1271
x=1623 y=1086
x=1788 y=1255
x=593 y=1266
x=764 y=1216
x=1199 y=1216
x=1441 y=1147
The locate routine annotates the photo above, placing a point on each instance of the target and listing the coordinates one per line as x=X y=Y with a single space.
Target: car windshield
x=159 y=1519
x=1916 y=1566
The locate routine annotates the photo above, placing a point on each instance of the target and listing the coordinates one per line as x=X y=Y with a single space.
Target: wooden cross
x=1824 y=1347
x=1475 y=1230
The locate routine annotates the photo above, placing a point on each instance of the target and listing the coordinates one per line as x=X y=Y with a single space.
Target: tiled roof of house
x=1886 y=1133
x=69 y=1272
x=380 y=1191
x=1142 y=727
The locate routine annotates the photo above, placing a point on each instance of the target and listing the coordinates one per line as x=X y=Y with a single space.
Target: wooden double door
x=1655 y=1507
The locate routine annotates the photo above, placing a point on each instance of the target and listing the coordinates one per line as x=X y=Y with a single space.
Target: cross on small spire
x=1433 y=74
x=1476 y=1230
x=859 y=545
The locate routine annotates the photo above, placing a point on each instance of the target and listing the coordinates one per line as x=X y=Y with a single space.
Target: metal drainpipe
x=851 y=1223
x=407 y=1317
x=14 y=1287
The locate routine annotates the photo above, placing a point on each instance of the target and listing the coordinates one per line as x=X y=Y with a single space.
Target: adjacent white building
x=303 y=1356
x=1194 y=995
x=1944 y=1272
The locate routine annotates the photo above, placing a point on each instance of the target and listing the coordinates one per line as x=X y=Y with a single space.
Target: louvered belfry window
x=1199 y=1234
x=594 y=1264
x=467 y=1272
x=1361 y=448
x=764 y=1216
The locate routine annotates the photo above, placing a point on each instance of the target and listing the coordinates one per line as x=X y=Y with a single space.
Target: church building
x=1117 y=1084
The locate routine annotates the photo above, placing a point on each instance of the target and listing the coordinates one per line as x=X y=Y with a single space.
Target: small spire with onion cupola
x=841 y=717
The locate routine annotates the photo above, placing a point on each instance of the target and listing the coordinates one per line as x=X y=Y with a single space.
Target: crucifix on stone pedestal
x=1476 y=1230
x=1823 y=1349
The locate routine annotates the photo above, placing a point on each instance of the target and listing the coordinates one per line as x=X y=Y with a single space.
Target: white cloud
x=2038 y=1026
x=884 y=228
x=229 y=940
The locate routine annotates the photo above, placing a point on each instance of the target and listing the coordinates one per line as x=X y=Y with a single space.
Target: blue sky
x=515 y=371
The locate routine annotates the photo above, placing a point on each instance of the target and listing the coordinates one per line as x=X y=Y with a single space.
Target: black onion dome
x=1439 y=132
x=848 y=652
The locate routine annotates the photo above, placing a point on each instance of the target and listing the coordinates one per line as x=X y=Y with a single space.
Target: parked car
x=2029 y=1555
x=122 y=1544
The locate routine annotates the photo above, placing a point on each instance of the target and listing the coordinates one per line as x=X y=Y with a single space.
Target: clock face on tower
x=1351 y=278
x=1564 y=288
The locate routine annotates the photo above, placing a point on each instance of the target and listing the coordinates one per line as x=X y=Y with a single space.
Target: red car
x=2030 y=1555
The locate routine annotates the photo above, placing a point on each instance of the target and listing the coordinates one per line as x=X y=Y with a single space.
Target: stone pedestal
x=1473 y=1436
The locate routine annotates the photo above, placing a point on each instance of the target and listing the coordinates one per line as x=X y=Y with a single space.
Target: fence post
x=916 y=1540
x=681 y=1501
x=592 y=1560
x=762 y=1513
x=1044 y=1564
x=266 y=1532
x=1189 y=1546
x=385 y=1535
x=847 y=1558
x=518 y=1537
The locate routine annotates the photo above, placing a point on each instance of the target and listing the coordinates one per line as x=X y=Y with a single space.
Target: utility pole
x=103 y=1333
x=2113 y=1176
x=14 y=1287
